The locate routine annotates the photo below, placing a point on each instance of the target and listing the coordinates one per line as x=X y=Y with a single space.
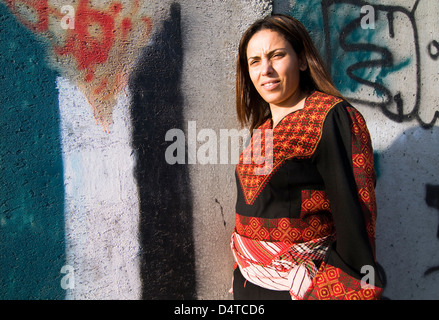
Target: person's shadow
x=166 y=238
x=407 y=225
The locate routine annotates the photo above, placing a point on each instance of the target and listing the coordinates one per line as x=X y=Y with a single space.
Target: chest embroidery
x=296 y=136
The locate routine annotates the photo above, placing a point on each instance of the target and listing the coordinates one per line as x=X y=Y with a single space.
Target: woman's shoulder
x=334 y=106
x=318 y=98
x=342 y=118
x=320 y=101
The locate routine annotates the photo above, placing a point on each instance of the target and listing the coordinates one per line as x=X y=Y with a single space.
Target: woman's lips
x=270 y=85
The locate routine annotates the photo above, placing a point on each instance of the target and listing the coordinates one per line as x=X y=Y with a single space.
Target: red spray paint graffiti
x=98 y=53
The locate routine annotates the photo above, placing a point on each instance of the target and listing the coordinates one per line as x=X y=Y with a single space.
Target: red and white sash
x=278 y=265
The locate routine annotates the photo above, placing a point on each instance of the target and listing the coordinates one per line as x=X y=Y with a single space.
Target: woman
x=305 y=228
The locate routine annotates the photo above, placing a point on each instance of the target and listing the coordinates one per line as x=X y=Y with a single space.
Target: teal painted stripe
x=32 y=244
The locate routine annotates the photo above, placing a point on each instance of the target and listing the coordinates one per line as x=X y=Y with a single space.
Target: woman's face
x=274 y=68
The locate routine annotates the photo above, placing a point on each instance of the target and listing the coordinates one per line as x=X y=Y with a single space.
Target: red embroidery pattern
x=284 y=229
x=364 y=172
x=296 y=136
x=314 y=201
x=332 y=283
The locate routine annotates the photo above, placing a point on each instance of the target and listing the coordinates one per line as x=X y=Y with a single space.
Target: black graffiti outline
x=432 y=200
x=430 y=46
x=385 y=61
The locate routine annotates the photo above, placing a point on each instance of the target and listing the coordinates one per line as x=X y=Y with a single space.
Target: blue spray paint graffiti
x=380 y=67
x=31 y=174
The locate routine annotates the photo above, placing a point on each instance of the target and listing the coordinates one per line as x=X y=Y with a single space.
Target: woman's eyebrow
x=269 y=54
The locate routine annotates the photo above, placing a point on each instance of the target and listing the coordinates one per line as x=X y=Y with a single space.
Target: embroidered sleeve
x=344 y=158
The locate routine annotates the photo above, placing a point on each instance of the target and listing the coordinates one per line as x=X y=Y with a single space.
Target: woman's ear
x=303 y=65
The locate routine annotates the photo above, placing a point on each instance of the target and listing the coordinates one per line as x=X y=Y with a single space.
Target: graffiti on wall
x=99 y=48
x=94 y=44
x=383 y=65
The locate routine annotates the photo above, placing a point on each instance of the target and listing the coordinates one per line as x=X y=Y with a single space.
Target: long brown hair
x=251 y=108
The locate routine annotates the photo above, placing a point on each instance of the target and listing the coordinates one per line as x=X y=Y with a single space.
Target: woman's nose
x=267 y=67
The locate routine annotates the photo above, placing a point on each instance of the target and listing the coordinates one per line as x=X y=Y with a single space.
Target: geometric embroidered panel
x=296 y=136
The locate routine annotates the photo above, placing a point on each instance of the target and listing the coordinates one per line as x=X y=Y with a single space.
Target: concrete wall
x=90 y=208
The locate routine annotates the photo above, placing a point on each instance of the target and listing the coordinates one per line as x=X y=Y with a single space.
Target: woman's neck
x=279 y=112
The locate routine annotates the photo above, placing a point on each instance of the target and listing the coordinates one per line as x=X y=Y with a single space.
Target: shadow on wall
x=32 y=246
x=407 y=227
x=166 y=237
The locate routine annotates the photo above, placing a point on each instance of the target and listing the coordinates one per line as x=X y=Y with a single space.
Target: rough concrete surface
x=90 y=208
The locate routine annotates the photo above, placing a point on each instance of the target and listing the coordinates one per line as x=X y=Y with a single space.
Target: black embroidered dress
x=322 y=182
